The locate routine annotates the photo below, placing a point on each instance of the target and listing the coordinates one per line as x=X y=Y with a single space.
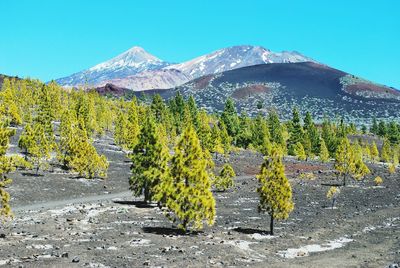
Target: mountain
x=138 y=70
x=131 y=62
x=313 y=87
x=233 y=58
x=161 y=79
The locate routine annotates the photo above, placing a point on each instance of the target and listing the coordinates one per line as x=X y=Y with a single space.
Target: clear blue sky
x=48 y=39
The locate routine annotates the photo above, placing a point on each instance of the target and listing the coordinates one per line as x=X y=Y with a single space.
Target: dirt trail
x=65 y=202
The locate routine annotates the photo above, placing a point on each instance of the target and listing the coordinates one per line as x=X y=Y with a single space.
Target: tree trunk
x=146 y=193
x=271 y=224
x=344 y=179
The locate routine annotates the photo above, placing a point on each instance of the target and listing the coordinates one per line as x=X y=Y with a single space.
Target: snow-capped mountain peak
x=235 y=57
x=131 y=62
x=136 y=60
x=134 y=57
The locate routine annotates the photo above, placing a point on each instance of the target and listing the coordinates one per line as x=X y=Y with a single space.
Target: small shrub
x=392 y=168
x=307 y=176
x=378 y=181
x=332 y=194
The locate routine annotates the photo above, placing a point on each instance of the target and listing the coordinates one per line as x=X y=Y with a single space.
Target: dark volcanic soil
x=62 y=221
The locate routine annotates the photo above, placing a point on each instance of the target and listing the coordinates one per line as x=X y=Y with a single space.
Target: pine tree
x=374 y=127
x=275 y=190
x=225 y=179
x=27 y=140
x=225 y=138
x=7 y=165
x=260 y=135
x=374 y=152
x=230 y=118
x=360 y=168
x=83 y=157
x=332 y=194
x=312 y=134
x=188 y=197
x=367 y=152
x=67 y=130
x=344 y=160
x=159 y=109
x=204 y=130
x=216 y=145
x=121 y=130
x=386 y=151
x=132 y=127
x=298 y=151
x=382 y=129
x=296 y=132
x=324 y=153
x=393 y=133
x=9 y=103
x=41 y=149
x=329 y=136
x=275 y=129
x=246 y=130
x=149 y=161
x=193 y=110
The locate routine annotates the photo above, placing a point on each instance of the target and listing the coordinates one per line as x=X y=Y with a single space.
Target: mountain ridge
x=130 y=64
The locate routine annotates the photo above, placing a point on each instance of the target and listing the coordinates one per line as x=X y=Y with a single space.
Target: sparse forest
x=172 y=145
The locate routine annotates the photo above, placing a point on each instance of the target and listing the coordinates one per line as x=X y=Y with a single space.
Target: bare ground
x=64 y=221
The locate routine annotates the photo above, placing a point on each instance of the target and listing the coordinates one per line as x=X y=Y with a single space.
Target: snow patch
x=258 y=236
x=304 y=251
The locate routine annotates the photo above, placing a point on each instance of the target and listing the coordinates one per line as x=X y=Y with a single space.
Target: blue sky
x=50 y=39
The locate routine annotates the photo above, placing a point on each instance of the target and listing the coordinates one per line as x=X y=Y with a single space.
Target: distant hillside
x=312 y=87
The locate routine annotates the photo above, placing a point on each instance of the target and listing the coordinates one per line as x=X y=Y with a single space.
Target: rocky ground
x=64 y=221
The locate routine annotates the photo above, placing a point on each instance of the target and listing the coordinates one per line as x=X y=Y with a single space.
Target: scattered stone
x=301 y=253
x=64 y=255
x=75 y=259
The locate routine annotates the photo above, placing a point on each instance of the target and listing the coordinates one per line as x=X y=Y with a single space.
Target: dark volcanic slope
x=317 y=88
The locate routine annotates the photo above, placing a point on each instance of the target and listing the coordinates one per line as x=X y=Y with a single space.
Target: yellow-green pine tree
x=332 y=194
x=121 y=130
x=275 y=191
x=324 y=153
x=344 y=159
x=386 y=151
x=6 y=166
x=189 y=199
x=299 y=152
x=27 y=140
x=374 y=152
x=216 y=143
x=9 y=102
x=133 y=128
x=225 y=179
x=360 y=168
x=83 y=157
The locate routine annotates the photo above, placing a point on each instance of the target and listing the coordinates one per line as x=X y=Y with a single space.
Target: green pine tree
x=296 y=132
x=149 y=161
